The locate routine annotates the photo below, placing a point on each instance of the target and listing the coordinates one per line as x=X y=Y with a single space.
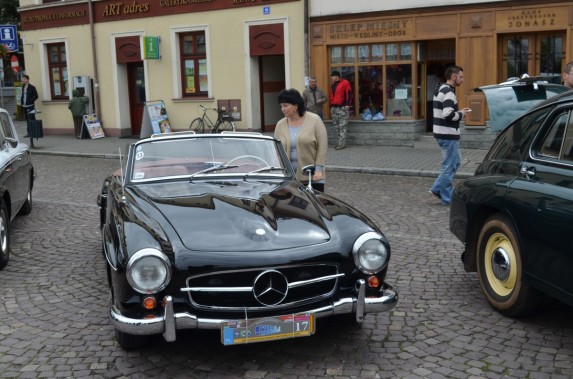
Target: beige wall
x=231 y=73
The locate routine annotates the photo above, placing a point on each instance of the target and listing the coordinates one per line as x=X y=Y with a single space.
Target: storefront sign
x=531 y=19
x=370 y=30
x=66 y=14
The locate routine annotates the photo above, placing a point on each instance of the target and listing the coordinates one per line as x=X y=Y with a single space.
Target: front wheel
x=197 y=125
x=500 y=268
x=4 y=235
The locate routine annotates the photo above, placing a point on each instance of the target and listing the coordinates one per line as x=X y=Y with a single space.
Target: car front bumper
x=170 y=322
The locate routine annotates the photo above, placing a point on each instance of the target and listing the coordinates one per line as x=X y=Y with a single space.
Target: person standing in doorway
x=340 y=102
x=77 y=106
x=568 y=75
x=314 y=98
x=446 y=130
x=27 y=100
x=303 y=136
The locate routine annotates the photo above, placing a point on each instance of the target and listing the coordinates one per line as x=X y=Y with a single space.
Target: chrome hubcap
x=500 y=264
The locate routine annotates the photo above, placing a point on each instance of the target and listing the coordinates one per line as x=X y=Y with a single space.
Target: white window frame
x=176 y=59
x=45 y=67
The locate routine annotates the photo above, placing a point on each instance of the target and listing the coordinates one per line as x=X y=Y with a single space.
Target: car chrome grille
x=258 y=289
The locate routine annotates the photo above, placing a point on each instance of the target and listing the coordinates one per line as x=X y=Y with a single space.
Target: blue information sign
x=9 y=37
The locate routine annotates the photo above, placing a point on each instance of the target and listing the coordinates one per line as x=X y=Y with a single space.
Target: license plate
x=267 y=329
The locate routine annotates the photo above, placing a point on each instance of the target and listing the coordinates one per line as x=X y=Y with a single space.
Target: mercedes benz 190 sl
x=16 y=181
x=213 y=231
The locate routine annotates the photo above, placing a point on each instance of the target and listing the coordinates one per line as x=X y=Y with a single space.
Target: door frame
x=254 y=116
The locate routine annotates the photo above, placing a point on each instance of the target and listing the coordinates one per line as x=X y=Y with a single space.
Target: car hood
x=507 y=102
x=238 y=215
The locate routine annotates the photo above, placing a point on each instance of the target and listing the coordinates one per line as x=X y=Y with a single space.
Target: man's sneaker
x=339 y=147
x=435 y=194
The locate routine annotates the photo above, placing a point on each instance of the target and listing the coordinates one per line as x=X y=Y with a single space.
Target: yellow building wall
x=228 y=55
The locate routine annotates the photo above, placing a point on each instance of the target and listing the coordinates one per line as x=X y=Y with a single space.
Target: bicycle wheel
x=197 y=125
x=226 y=125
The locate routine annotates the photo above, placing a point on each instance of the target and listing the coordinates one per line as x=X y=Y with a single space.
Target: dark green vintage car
x=515 y=216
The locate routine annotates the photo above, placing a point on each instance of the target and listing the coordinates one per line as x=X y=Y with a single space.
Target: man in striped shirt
x=446 y=130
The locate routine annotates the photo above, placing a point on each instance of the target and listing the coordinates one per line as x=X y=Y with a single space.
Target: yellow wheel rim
x=500 y=264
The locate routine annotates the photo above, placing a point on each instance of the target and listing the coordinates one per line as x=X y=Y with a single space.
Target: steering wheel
x=253 y=157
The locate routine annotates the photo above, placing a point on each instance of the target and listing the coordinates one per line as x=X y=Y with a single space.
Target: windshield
x=205 y=156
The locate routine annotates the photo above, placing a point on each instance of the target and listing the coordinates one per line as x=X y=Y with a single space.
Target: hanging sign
x=9 y=37
x=155 y=119
x=150 y=48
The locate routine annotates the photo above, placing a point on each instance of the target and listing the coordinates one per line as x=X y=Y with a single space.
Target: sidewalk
x=422 y=160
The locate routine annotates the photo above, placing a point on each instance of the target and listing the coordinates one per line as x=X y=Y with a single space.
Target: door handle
x=529 y=172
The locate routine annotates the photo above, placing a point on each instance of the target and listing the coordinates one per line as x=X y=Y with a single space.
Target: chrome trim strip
x=249 y=289
x=217 y=289
x=316 y=280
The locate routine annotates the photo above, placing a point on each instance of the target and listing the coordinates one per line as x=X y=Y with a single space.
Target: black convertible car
x=213 y=231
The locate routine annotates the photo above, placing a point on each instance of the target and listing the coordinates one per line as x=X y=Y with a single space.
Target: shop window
x=399 y=90
x=349 y=54
x=336 y=55
x=392 y=52
x=377 y=53
x=364 y=53
x=381 y=78
x=532 y=54
x=370 y=90
x=193 y=61
x=58 y=71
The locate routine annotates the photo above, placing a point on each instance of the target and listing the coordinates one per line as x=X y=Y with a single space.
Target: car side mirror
x=12 y=142
x=309 y=170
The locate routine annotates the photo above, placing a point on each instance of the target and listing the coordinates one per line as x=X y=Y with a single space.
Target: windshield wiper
x=264 y=169
x=211 y=169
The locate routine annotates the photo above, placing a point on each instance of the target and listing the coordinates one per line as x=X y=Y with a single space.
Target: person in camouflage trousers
x=340 y=102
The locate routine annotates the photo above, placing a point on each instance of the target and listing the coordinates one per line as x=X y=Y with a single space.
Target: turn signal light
x=373 y=281
x=149 y=302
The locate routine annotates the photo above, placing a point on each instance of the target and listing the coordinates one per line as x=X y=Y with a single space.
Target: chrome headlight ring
x=148 y=271
x=371 y=253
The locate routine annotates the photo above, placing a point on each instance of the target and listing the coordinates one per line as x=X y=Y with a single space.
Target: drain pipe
x=306 y=41
x=97 y=109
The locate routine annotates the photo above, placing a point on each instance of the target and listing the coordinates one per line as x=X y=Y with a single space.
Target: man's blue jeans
x=451 y=160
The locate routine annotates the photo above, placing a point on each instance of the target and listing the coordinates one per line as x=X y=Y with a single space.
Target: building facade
x=235 y=54
x=393 y=54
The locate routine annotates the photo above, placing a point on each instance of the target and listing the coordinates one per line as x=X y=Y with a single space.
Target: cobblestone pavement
x=54 y=321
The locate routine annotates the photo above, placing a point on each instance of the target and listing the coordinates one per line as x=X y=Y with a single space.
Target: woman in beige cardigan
x=303 y=136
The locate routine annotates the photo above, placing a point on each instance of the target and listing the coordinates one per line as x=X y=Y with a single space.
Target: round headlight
x=148 y=271
x=370 y=253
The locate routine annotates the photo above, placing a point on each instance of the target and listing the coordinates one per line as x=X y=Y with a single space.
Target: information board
x=93 y=126
x=155 y=119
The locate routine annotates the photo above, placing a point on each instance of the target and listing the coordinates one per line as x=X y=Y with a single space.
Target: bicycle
x=224 y=121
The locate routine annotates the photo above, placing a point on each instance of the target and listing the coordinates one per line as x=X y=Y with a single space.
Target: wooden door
x=137 y=98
